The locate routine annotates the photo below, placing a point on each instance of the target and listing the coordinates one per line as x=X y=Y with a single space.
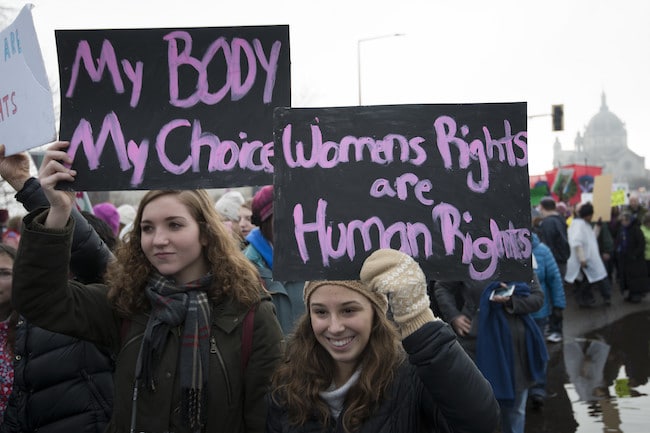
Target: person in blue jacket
x=549 y=316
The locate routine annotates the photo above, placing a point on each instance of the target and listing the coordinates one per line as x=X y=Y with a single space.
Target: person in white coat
x=585 y=268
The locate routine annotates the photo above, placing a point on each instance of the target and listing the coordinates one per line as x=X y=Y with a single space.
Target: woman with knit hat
x=348 y=368
x=286 y=295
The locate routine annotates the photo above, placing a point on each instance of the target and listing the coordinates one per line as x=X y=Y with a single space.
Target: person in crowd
x=227 y=207
x=645 y=229
x=11 y=235
x=102 y=228
x=287 y=295
x=51 y=367
x=8 y=320
x=585 y=267
x=245 y=214
x=635 y=208
x=501 y=336
x=552 y=232
x=127 y=215
x=605 y=247
x=174 y=306
x=348 y=368
x=630 y=257
x=549 y=316
x=108 y=212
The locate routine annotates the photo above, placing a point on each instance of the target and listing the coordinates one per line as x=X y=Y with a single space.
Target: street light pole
x=359 y=41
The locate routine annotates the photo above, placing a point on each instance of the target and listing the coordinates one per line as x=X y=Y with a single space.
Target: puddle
x=599 y=382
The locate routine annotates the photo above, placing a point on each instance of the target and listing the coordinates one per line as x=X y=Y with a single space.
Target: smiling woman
x=345 y=368
x=172 y=307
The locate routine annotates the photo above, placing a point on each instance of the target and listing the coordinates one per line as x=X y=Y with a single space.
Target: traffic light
x=557 y=112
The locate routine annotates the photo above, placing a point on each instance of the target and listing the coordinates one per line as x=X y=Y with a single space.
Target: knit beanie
x=376 y=298
x=262 y=205
x=228 y=205
x=127 y=214
x=108 y=213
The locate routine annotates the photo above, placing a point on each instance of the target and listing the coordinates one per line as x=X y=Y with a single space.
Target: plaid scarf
x=172 y=306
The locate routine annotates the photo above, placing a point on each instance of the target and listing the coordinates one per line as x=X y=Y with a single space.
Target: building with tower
x=604 y=144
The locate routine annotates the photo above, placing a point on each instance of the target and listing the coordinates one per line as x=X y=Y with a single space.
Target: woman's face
x=245 y=224
x=171 y=240
x=6 y=273
x=341 y=320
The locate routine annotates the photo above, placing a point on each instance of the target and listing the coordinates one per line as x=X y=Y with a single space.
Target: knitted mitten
x=398 y=276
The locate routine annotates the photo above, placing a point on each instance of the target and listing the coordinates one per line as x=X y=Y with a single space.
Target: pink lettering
x=235 y=84
x=107 y=59
x=331 y=153
x=83 y=134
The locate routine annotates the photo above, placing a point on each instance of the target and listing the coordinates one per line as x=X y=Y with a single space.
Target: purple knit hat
x=108 y=213
x=262 y=205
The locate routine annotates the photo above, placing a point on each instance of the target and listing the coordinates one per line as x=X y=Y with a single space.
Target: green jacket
x=236 y=401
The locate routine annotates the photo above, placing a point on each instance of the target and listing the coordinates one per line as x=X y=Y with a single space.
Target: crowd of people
x=165 y=317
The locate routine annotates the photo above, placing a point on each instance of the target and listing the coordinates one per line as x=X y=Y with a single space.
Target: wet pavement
x=598 y=376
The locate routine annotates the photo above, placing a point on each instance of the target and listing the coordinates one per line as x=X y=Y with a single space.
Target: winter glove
x=401 y=279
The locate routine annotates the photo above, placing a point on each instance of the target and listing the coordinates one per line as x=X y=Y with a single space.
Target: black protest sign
x=447 y=184
x=172 y=108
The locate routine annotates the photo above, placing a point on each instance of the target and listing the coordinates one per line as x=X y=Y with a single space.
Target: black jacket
x=90 y=255
x=439 y=389
x=61 y=384
x=553 y=232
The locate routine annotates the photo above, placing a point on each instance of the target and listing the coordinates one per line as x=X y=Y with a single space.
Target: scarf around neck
x=172 y=306
x=259 y=242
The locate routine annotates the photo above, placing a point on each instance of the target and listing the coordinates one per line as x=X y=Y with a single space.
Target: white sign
x=26 y=109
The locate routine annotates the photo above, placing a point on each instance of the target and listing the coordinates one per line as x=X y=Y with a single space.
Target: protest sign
x=26 y=110
x=172 y=108
x=447 y=184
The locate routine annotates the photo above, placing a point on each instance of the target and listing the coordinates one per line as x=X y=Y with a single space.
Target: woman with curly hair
x=348 y=368
x=174 y=307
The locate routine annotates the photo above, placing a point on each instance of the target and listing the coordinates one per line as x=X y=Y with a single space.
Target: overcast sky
x=451 y=51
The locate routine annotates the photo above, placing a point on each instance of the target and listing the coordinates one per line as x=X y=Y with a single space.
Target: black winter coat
x=439 y=389
x=61 y=384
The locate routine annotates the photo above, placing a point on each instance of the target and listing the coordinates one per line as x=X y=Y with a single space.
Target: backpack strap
x=247 y=337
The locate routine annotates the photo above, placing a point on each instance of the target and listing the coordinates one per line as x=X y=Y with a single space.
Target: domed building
x=604 y=144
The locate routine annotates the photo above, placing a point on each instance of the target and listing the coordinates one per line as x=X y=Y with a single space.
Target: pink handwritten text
x=507 y=148
x=107 y=60
x=232 y=51
x=513 y=243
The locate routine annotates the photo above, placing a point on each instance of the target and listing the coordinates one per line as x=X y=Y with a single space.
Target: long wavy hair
x=309 y=369
x=235 y=277
x=9 y=251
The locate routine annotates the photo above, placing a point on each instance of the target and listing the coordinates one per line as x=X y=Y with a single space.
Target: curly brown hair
x=235 y=276
x=308 y=369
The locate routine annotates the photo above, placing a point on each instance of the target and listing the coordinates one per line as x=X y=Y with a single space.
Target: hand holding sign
x=14 y=169
x=55 y=169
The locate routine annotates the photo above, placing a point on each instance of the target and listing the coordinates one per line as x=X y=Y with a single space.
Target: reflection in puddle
x=599 y=383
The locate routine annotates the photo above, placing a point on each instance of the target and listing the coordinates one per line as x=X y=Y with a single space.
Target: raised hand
x=14 y=168
x=54 y=169
x=399 y=277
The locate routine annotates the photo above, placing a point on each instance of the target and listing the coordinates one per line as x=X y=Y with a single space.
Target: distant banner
x=447 y=184
x=26 y=109
x=172 y=108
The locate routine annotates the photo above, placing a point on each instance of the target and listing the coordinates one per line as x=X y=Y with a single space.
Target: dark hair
x=102 y=228
x=586 y=210
x=547 y=203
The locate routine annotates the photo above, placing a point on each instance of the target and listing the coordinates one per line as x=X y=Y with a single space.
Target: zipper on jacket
x=94 y=390
x=215 y=351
